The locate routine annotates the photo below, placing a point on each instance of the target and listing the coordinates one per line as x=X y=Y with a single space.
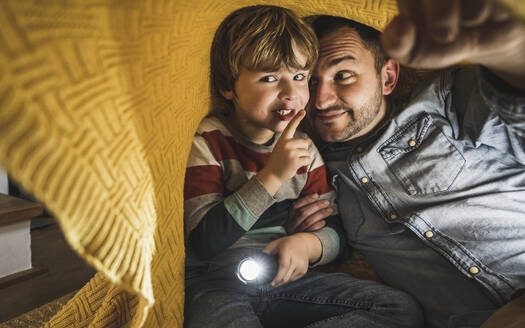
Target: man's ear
x=389 y=76
x=228 y=94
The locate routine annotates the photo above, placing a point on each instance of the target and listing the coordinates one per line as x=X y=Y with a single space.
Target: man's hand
x=294 y=254
x=288 y=155
x=510 y=315
x=439 y=33
x=308 y=214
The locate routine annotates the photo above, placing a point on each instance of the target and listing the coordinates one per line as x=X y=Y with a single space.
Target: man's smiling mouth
x=329 y=115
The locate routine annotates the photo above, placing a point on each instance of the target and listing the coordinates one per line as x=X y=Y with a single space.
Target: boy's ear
x=228 y=94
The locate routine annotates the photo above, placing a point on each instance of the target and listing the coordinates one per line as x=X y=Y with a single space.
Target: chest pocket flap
x=422 y=158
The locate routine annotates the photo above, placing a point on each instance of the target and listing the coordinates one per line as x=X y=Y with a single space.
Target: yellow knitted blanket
x=99 y=100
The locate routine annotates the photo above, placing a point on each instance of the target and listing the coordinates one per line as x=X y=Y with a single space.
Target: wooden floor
x=66 y=272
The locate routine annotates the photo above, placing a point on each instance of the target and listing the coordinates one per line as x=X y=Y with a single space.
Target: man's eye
x=268 y=78
x=299 y=77
x=341 y=76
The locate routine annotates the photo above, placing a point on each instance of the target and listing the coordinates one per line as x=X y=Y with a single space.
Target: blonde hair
x=260 y=38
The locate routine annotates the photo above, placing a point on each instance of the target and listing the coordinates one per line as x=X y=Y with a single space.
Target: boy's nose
x=325 y=96
x=288 y=92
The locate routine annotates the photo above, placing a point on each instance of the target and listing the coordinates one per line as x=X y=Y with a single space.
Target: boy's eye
x=344 y=76
x=268 y=78
x=299 y=77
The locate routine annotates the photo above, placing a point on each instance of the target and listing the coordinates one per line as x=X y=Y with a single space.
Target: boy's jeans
x=219 y=299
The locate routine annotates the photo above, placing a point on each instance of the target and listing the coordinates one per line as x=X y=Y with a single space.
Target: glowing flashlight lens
x=249 y=270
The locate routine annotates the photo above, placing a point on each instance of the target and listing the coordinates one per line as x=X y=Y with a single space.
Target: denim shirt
x=447 y=171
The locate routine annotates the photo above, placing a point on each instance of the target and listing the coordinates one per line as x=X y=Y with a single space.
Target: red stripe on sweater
x=201 y=180
x=226 y=147
x=317 y=182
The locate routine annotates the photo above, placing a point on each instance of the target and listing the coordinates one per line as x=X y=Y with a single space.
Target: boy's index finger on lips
x=290 y=129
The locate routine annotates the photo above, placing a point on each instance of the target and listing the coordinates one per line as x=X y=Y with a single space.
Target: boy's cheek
x=305 y=98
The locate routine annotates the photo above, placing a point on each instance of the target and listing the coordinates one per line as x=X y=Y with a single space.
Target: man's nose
x=325 y=95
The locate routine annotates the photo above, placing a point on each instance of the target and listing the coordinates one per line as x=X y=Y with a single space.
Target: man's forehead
x=344 y=43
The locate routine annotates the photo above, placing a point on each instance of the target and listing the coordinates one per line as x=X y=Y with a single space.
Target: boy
x=246 y=167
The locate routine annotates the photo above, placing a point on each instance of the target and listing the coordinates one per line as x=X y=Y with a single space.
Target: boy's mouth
x=284 y=114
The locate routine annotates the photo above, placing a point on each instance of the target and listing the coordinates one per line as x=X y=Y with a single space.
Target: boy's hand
x=439 y=33
x=287 y=157
x=294 y=253
x=308 y=213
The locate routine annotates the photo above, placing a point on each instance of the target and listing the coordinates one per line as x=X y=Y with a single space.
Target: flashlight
x=257 y=269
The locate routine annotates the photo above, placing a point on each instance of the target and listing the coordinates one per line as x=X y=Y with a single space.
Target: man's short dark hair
x=370 y=37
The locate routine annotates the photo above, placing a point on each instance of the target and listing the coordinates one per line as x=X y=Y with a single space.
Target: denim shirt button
x=473 y=270
x=393 y=216
x=364 y=179
x=359 y=149
x=412 y=143
x=429 y=234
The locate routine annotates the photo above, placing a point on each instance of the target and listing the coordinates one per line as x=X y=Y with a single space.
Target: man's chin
x=330 y=131
x=331 y=136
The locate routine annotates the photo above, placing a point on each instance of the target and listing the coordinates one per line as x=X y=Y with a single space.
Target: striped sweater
x=227 y=207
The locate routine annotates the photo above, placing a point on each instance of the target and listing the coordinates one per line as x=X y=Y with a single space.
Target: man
x=431 y=192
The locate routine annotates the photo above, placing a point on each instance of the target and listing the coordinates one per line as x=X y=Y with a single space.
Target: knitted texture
x=99 y=100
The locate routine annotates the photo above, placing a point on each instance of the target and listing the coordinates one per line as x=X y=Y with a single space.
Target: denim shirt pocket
x=422 y=158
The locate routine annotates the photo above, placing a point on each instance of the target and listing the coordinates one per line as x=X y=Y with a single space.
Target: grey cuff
x=255 y=196
x=330 y=244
